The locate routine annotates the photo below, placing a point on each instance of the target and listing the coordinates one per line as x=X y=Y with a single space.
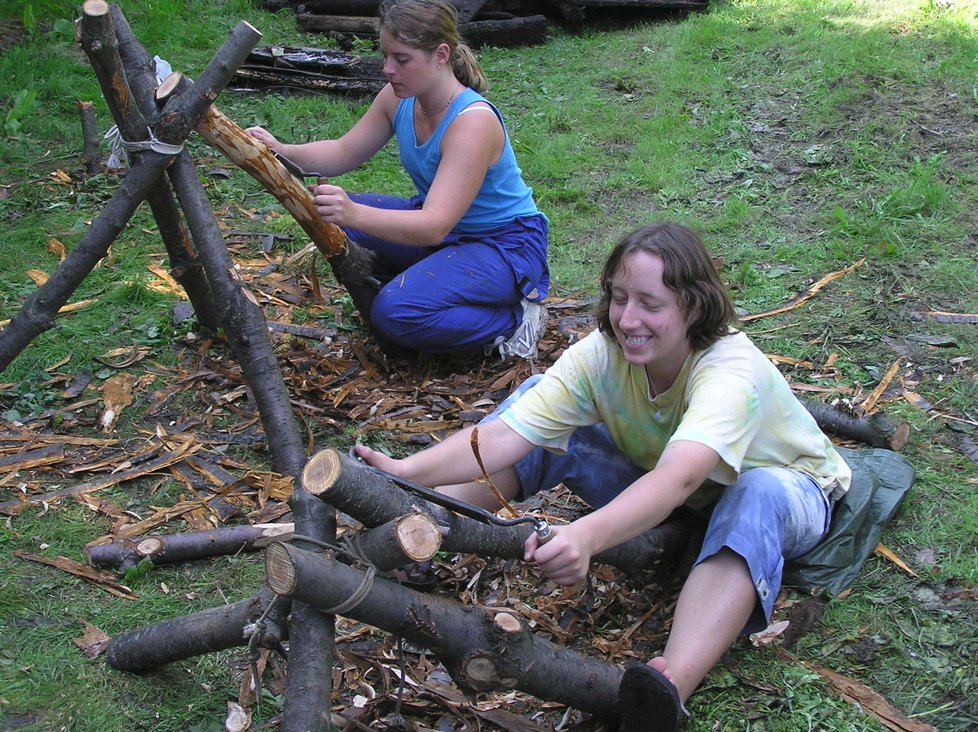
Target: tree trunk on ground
x=528 y=30
x=215 y=629
x=371 y=498
x=361 y=26
x=482 y=649
x=509 y=32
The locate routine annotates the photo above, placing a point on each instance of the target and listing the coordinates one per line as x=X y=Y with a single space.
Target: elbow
x=436 y=235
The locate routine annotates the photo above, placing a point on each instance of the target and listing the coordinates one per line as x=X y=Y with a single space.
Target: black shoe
x=648 y=701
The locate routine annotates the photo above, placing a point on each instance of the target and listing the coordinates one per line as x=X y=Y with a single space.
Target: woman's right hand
x=263 y=135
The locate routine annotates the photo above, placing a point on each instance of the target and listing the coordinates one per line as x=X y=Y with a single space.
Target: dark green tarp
x=880 y=478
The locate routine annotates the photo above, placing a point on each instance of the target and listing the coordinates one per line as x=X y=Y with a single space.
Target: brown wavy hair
x=687 y=270
x=424 y=24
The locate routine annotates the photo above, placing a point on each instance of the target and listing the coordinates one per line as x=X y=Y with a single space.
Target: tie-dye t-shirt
x=729 y=397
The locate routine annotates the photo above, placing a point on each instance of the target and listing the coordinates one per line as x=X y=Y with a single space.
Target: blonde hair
x=425 y=24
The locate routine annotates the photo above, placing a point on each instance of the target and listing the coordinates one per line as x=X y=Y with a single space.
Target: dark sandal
x=648 y=701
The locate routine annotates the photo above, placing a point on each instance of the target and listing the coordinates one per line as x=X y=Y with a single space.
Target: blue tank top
x=503 y=196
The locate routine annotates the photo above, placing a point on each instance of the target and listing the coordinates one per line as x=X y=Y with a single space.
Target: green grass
x=798 y=137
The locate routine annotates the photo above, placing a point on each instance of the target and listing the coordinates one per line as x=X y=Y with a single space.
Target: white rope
x=121 y=148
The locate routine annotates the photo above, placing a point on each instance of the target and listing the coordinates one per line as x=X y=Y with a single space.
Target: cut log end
x=149 y=547
x=418 y=536
x=95 y=8
x=899 y=437
x=280 y=572
x=508 y=623
x=168 y=86
x=321 y=472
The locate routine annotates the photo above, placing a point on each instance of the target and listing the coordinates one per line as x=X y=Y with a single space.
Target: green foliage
x=24 y=104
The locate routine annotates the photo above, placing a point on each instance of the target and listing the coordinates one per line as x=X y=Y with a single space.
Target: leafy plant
x=24 y=105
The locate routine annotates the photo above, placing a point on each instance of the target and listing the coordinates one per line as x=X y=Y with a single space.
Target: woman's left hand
x=333 y=204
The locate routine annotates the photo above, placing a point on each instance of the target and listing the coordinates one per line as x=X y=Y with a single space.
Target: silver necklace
x=441 y=109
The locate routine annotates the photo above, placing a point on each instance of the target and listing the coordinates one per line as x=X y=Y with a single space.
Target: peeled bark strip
x=215 y=629
x=122 y=554
x=877 y=430
x=372 y=499
x=482 y=650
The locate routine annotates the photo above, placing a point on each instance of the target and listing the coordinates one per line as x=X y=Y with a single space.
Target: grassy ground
x=798 y=137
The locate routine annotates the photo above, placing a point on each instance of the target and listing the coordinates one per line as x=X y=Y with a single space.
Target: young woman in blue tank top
x=464 y=262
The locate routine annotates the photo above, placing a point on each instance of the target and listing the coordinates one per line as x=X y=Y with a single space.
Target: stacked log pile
x=502 y=23
x=479 y=25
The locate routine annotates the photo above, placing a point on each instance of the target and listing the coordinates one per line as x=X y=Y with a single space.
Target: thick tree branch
x=877 y=430
x=215 y=629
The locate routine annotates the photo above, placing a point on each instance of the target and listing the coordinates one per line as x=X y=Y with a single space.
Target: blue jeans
x=461 y=295
x=770 y=514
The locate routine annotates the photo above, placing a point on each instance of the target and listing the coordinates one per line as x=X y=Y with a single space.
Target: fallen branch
x=877 y=430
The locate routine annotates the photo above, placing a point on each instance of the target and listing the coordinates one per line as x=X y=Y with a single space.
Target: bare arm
x=452 y=461
x=646 y=503
x=335 y=157
x=471 y=145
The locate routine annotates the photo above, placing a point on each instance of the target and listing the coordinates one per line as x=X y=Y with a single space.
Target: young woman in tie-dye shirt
x=664 y=405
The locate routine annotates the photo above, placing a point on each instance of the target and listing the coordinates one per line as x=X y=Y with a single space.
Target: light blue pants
x=767 y=516
x=461 y=295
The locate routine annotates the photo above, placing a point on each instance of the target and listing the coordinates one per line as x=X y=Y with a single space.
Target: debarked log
x=352 y=264
x=372 y=498
x=215 y=629
x=483 y=649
